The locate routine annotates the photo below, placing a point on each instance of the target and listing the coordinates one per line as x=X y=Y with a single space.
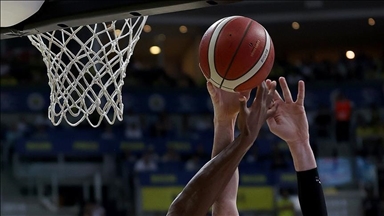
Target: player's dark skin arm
x=204 y=188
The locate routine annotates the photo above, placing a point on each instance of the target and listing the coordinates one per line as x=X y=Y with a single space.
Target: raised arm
x=226 y=109
x=290 y=123
x=206 y=186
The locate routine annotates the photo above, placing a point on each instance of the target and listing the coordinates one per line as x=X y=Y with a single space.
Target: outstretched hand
x=225 y=104
x=289 y=121
x=251 y=119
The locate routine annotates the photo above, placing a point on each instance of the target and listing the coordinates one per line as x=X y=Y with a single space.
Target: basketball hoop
x=86 y=69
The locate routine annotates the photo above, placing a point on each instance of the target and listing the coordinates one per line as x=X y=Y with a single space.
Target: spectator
x=23 y=127
x=323 y=120
x=92 y=209
x=253 y=156
x=152 y=153
x=5 y=73
x=42 y=119
x=133 y=125
x=145 y=164
x=278 y=159
x=294 y=77
x=306 y=70
x=108 y=133
x=193 y=164
x=171 y=155
x=40 y=132
x=202 y=153
x=370 y=136
x=285 y=206
x=133 y=131
x=128 y=156
x=132 y=118
x=162 y=127
x=185 y=129
x=11 y=136
x=343 y=108
x=341 y=69
x=201 y=123
x=126 y=163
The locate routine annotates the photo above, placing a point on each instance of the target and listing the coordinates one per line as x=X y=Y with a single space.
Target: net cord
x=73 y=97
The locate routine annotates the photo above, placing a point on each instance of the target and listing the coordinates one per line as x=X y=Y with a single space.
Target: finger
x=272 y=111
x=272 y=87
x=243 y=103
x=276 y=96
x=211 y=89
x=246 y=94
x=265 y=88
x=301 y=93
x=286 y=93
x=264 y=85
x=260 y=93
x=271 y=122
x=271 y=93
x=243 y=115
x=268 y=82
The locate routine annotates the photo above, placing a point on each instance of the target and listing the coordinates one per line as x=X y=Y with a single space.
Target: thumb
x=243 y=105
x=211 y=89
x=271 y=122
x=243 y=116
x=271 y=111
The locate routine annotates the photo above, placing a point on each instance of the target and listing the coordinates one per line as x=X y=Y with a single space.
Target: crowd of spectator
x=361 y=130
x=24 y=66
x=366 y=129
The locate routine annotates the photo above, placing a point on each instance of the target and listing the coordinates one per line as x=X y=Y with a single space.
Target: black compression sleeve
x=311 y=196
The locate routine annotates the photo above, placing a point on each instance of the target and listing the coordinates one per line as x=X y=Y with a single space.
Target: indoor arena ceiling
x=322 y=23
x=278 y=11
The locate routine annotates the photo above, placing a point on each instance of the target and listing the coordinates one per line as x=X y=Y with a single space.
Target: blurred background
x=139 y=165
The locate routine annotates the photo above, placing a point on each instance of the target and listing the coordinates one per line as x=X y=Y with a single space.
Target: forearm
x=223 y=134
x=311 y=196
x=310 y=191
x=302 y=154
x=225 y=204
x=205 y=187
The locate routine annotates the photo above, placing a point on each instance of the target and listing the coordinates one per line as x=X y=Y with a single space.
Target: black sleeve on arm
x=311 y=196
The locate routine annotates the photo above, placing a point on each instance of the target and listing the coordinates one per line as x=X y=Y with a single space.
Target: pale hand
x=225 y=104
x=289 y=121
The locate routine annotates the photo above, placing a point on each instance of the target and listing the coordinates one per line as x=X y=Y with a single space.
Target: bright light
x=183 y=29
x=147 y=28
x=154 y=50
x=295 y=25
x=371 y=22
x=350 y=54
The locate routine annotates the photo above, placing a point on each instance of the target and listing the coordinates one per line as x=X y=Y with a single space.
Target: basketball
x=236 y=54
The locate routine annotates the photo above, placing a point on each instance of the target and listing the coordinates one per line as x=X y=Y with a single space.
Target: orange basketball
x=236 y=54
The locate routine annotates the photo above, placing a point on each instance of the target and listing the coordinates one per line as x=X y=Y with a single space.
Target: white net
x=86 y=69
